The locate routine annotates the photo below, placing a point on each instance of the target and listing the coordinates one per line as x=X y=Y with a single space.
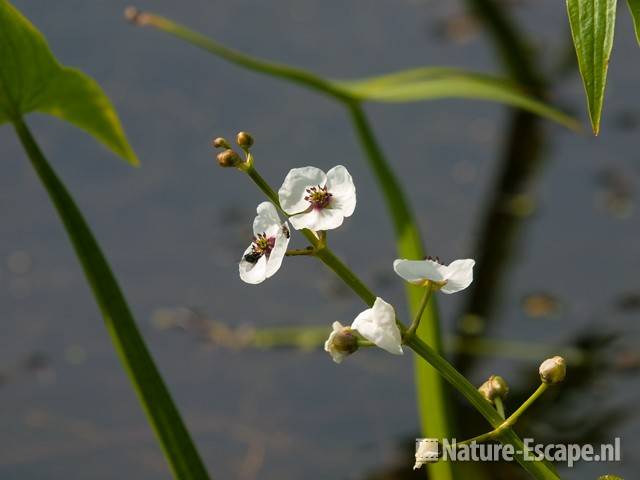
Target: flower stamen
x=262 y=245
x=318 y=197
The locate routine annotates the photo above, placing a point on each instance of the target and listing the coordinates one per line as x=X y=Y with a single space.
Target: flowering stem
x=538 y=469
x=300 y=251
x=499 y=406
x=509 y=422
x=423 y=304
x=523 y=408
x=320 y=249
x=541 y=470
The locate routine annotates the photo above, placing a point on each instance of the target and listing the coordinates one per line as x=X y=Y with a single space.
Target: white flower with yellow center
x=451 y=278
x=316 y=200
x=263 y=257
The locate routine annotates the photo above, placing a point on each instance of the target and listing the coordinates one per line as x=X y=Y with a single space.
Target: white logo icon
x=427 y=451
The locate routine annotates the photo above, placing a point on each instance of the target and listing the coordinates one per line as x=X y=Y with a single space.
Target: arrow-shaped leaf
x=592 y=27
x=31 y=80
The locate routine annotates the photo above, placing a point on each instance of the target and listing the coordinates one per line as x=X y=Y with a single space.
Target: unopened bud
x=494 y=388
x=220 y=142
x=244 y=139
x=135 y=16
x=228 y=158
x=341 y=342
x=553 y=370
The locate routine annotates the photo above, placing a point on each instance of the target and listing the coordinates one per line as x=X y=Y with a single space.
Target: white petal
x=328 y=219
x=293 y=189
x=417 y=271
x=378 y=324
x=267 y=217
x=318 y=219
x=253 y=273
x=343 y=191
x=304 y=220
x=277 y=253
x=329 y=347
x=459 y=275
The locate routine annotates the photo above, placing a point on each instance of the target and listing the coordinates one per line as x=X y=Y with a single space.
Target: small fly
x=252 y=257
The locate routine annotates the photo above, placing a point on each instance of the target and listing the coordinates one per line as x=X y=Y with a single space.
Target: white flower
x=316 y=200
x=264 y=256
x=378 y=324
x=451 y=278
x=341 y=342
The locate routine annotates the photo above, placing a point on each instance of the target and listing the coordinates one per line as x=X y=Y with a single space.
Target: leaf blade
x=439 y=83
x=32 y=80
x=154 y=396
x=634 y=8
x=592 y=25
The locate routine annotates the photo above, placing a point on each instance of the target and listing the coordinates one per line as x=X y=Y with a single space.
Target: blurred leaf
x=592 y=27
x=441 y=82
x=634 y=7
x=31 y=80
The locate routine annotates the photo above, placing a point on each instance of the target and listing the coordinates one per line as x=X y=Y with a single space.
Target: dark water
x=174 y=230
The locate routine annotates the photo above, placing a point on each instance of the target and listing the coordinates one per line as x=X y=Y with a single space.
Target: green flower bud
x=220 y=143
x=228 y=158
x=553 y=370
x=495 y=387
x=244 y=140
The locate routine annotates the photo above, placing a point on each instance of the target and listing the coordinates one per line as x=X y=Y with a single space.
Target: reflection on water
x=174 y=230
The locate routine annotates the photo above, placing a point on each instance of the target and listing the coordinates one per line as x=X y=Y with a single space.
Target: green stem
x=513 y=418
x=295 y=75
x=423 y=304
x=538 y=469
x=440 y=365
x=499 y=406
x=433 y=406
x=509 y=422
x=479 y=439
x=153 y=394
x=295 y=252
x=430 y=390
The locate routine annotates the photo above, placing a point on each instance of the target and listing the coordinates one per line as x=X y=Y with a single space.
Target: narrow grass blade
x=152 y=392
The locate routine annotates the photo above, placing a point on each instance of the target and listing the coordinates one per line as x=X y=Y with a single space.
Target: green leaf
x=438 y=82
x=154 y=396
x=634 y=7
x=592 y=28
x=31 y=80
x=406 y=86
